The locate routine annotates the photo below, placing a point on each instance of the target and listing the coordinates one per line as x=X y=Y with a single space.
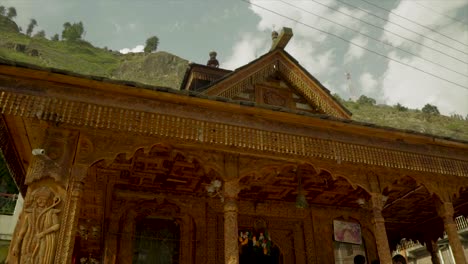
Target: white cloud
x=354 y=52
x=368 y=83
x=248 y=48
x=138 y=48
x=388 y=81
x=414 y=88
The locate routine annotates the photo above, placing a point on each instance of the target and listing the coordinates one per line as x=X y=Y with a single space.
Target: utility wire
x=357 y=45
x=398 y=25
x=412 y=21
x=376 y=39
x=432 y=9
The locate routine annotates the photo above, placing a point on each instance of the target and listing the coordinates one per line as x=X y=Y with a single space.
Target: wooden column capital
x=231 y=189
x=446 y=211
x=376 y=203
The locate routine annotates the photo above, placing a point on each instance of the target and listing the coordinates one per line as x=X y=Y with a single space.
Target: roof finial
x=281 y=40
x=213 y=62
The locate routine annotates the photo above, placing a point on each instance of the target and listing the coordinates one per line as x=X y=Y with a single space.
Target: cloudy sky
x=411 y=52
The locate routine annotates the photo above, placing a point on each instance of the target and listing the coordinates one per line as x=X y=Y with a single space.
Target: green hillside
x=410 y=119
x=159 y=68
x=165 y=69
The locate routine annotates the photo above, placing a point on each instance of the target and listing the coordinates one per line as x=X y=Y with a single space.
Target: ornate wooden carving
x=247 y=139
x=59 y=146
x=36 y=234
x=70 y=215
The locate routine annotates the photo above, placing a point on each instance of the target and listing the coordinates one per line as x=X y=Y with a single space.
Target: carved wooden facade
x=116 y=154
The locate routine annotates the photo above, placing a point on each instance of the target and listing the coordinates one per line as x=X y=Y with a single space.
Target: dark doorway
x=254 y=255
x=157 y=241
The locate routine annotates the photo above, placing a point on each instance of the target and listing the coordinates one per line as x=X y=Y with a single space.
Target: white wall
x=8 y=222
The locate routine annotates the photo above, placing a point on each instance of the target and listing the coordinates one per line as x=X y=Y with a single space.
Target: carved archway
x=160 y=172
x=279 y=182
x=410 y=212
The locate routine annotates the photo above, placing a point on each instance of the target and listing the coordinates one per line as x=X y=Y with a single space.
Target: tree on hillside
x=2 y=11
x=72 y=32
x=430 y=109
x=31 y=26
x=40 y=34
x=55 y=37
x=151 y=44
x=364 y=100
x=11 y=12
x=401 y=108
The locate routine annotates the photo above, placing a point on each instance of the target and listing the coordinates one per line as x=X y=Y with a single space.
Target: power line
x=398 y=25
x=376 y=39
x=357 y=45
x=393 y=33
x=432 y=9
x=407 y=19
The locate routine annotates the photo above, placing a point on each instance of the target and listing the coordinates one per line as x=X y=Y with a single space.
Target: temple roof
x=283 y=66
x=31 y=71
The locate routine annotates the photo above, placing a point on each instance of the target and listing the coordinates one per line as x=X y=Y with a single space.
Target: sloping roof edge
x=220 y=99
x=294 y=61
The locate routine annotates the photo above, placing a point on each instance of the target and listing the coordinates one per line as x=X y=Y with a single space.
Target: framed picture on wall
x=348 y=232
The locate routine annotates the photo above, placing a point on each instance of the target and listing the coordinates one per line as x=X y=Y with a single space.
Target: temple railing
x=7 y=203
x=462 y=222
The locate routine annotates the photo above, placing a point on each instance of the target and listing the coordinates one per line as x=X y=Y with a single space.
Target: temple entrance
x=156 y=241
x=253 y=255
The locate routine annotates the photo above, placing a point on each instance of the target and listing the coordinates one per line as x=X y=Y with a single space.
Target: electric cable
x=378 y=40
x=412 y=21
x=357 y=45
x=441 y=14
x=400 y=26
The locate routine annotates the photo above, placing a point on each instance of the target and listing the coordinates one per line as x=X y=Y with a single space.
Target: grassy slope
x=160 y=68
x=164 y=69
x=414 y=120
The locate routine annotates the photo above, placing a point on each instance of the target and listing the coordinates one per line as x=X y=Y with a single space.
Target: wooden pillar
x=45 y=232
x=231 y=232
x=446 y=211
x=433 y=248
x=377 y=202
x=71 y=212
x=125 y=251
x=110 y=252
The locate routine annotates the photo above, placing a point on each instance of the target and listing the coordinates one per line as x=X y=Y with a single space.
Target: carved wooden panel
x=88 y=115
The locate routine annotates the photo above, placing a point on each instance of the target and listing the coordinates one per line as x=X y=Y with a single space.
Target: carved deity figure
x=36 y=240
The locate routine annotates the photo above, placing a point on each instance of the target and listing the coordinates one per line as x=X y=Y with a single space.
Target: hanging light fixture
x=301 y=201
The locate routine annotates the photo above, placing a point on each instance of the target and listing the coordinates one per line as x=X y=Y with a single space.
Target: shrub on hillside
x=72 y=32
x=430 y=109
x=401 y=108
x=31 y=26
x=151 y=44
x=364 y=100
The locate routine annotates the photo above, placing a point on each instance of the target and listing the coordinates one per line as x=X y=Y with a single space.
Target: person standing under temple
x=359 y=259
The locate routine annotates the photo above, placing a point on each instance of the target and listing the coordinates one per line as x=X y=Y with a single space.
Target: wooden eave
x=279 y=60
x=112 y=88
x=194 y=67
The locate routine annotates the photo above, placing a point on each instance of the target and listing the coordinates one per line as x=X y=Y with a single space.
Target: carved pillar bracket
x=231 y=247
x=70 y=214
x=377 y=202
x=446 y=211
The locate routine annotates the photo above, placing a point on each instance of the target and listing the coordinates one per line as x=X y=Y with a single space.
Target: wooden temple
x=256 y=165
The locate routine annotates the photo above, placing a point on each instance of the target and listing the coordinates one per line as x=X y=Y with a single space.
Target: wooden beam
x=282 y=40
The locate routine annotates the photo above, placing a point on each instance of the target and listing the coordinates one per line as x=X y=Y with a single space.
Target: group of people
x=397 y=259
